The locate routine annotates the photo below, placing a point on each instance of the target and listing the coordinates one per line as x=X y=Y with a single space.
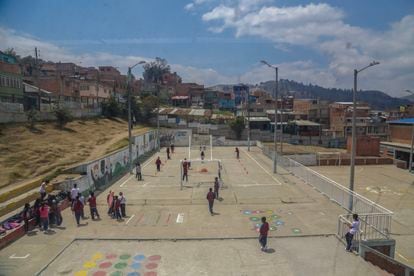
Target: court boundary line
x=275 y=179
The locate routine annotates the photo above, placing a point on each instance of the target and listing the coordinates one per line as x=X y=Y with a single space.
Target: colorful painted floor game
x=275 y=221
x=120 y=265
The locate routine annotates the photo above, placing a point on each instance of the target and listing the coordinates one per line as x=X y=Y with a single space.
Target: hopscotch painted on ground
x=275 y=221
x=202 y=169
x=128 y=264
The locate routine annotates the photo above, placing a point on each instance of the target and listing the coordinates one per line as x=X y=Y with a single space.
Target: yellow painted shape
x=89 y=264
x=97 y=256
x=81 y=273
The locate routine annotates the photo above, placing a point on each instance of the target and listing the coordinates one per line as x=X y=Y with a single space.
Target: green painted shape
x=120 y=265
x=125 y=257
x=254 y=219
x=296 y=230
x=116 y=273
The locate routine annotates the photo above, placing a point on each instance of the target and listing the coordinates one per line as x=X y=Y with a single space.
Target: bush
x=63 y=116
x=32 y=117
x=237 y=126
x=111 y=108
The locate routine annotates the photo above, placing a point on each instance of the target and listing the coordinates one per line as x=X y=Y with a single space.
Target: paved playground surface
x=158 y=209
x=390 y=187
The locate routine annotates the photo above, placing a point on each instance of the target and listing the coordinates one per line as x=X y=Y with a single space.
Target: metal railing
x=377 y=217
x=371 y=227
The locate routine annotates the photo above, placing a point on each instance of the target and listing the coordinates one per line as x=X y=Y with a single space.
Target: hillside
x=376 y=99
x=26 y=154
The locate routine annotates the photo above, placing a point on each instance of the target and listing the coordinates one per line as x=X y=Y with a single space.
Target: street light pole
x=129 y=78
x=248 y=120
x=410 y=162
x=353 y=147
x=276 y=92
x=158 y=118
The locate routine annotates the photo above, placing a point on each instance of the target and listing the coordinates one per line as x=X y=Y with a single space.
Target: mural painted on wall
x=103 y=171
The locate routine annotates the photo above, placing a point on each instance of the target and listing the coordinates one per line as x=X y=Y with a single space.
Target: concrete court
x=390 y=187
x=285 y=256
x=158 y=209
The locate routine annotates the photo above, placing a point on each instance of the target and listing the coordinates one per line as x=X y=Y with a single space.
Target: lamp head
x=374 y=63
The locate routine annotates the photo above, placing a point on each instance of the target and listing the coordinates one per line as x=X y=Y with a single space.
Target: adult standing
x=158 y=164
x=172 y=147
x=44 y=216
x=210 y=198
x=109 y=200
x=237 y=153
x=353 y=229
x=36 y=212
x=122 y=201
x=138 y=174
x=74 y=192
x=56 y=211
x=42 y=190
x=202 y=156
x=264 y=229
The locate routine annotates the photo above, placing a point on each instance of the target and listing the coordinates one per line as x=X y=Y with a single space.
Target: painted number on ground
x=180 y=218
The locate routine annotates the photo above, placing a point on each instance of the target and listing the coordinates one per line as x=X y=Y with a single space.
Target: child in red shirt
x=264 y=229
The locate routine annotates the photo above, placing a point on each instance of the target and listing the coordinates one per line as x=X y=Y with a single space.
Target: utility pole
x=276 y=92
x=353 y=149
x=37 y=79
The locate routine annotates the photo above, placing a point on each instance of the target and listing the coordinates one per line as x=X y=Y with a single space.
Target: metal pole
x=158 y=118
x=275 y=135
x=411 y=150
x=129 y=120
x=248 y=121
x=281 y=125
x=353 y=146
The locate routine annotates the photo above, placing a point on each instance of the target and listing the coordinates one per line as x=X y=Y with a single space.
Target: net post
x=211 y=147
x=181 y=175
x=189 y=146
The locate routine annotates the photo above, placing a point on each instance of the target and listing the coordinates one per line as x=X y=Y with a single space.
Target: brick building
x=400 y=138
x=11 y=83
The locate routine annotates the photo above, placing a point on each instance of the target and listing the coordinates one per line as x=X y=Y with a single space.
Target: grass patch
x=118 y=145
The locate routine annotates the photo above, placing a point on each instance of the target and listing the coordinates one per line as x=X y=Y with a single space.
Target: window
x=7 y=82
x=2 y=81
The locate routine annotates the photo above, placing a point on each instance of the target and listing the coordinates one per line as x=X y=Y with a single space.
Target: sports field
x=157 y=209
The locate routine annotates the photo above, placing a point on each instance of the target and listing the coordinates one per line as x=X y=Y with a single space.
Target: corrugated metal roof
x=258 y=119
x=305 y=123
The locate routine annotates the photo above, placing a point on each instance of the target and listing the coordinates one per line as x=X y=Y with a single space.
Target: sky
x=222 y=42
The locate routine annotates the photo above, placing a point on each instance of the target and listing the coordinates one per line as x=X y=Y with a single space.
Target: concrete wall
x=304 y=159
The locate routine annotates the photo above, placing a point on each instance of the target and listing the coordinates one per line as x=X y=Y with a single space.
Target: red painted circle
x=105 y=265
x=99 y=273
x=151 y=273
x=154 y=258
x=151 y=266
x=111 y=256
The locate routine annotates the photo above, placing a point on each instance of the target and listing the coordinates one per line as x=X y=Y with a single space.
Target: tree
x=155 y=70
x=148 y=105
x=63 y=116
x=10 y=52
x=111 y=108
x=32 y=117
x=237 y=126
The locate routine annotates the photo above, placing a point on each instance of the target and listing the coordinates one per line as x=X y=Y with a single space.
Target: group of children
x=79 y=202
x=116 y=205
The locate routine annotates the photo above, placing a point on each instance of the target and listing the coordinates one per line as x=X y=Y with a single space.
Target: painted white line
x=145 y=184
x=403 y=257
x=254 y=185
x=129 y=219
x=180 y=218
x=143 y=166
x=21 y=257
x=275 y=179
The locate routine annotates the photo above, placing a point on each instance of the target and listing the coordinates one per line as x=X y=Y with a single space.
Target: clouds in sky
x=322 y=28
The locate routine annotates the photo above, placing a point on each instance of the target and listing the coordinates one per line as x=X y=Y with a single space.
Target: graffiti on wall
x=103 y=171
